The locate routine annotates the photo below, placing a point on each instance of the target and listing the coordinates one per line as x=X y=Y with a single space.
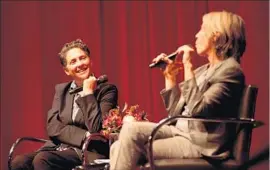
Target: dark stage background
x=123 y=37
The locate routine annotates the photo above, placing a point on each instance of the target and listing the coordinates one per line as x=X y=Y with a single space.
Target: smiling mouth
x=82 y=71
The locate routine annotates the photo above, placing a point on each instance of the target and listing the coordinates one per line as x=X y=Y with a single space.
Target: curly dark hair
x=73 y=44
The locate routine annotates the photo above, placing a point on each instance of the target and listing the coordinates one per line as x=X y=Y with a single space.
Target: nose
x=196 y=36
x=79 y=63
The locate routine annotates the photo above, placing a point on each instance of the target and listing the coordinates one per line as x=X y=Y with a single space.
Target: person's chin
x=81 y=77
x=198 y=51
x=84 y=75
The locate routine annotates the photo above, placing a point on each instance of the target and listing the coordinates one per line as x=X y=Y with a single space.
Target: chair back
x=246 y=110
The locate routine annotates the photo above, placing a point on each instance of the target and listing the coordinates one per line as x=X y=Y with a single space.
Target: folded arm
x=224 y=89
x=92 y=110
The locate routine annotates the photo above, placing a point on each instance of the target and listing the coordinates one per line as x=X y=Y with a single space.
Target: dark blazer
x=218 y=96
x=63 y=131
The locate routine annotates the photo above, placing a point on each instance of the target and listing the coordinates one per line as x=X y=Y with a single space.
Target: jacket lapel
x=66 y=104
x=203 y=86
x=206 y=83
x=180 y=105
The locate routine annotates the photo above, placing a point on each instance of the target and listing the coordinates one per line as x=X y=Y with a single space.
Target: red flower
x=113 y=122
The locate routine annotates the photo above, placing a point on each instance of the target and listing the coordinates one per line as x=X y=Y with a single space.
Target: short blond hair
x=231 y=39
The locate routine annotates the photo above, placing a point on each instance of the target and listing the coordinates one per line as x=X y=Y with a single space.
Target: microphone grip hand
x=101 y=79
x=89 y=85
x=186 y=52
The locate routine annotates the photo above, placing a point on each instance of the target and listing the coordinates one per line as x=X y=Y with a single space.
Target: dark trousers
x=47 y=160
x=50 y=159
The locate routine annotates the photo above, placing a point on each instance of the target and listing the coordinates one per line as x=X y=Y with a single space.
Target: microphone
x=101 y=79
x=161 y=63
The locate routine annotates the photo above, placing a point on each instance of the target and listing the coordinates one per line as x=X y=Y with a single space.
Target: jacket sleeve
x=94 y=110
x=223 y=90
x=226 y=88
x=60 y=132
x=170 y=99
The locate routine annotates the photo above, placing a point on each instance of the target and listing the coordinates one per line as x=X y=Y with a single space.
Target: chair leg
x=93 y=167
x=258 y=158
x=78 y=168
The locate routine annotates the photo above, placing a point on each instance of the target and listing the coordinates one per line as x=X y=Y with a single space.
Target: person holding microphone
x=77 y=111
x=212 y=90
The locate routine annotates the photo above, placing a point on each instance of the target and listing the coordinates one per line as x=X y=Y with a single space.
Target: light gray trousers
x=169 y=143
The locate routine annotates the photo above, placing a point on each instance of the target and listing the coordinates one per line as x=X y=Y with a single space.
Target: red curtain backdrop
x=124 y=36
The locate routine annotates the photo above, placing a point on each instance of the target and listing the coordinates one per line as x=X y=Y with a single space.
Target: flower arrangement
x=113 y=122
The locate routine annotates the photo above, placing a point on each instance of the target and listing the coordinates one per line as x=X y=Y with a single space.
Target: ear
x=66 y=71
x=216 y=35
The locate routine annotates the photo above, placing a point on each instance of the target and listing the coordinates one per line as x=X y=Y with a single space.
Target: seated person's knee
x=41 y=159
x=21 y=162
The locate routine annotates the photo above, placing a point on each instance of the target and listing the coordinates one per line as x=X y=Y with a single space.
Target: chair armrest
x=96 y=136
x=113 y=137
x=247 y=121
x=93 y=136
x=255 y=123
x=17 y=142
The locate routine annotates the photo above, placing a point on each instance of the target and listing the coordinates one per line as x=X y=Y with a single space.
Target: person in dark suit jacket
x=212 y=90
x=73 y=117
